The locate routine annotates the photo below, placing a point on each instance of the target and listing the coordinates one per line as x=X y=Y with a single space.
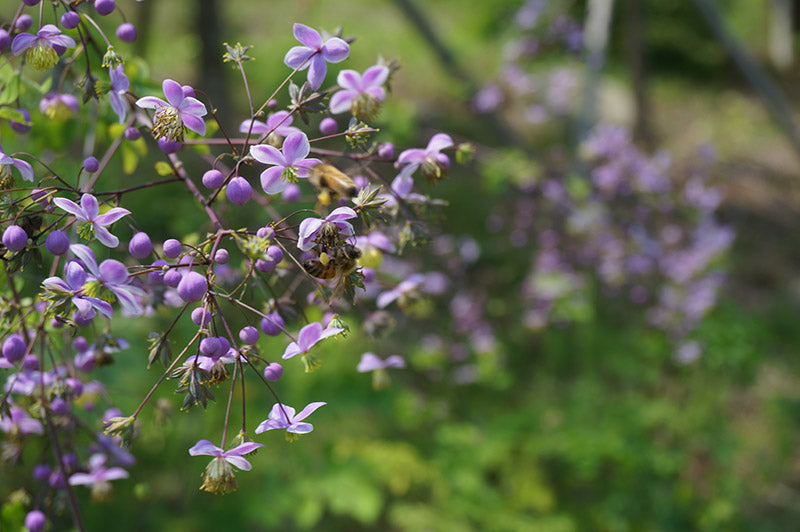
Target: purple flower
x=308 y=337
x=20 y=423
x=58 y=106
x=218 y=476
x=75 y=278
x=310 y=228
x=41 y=54
x=286 y=167
x=283 y=417
x=402 y=186
x=361 y=95
x=278 y=124
x=178 y=111
x=315 y=54
x=6 y=162
x=432 y=161
x=119 y=86
x=98 y=473
x=371 y=362
x=113 y=275
x=88 y=212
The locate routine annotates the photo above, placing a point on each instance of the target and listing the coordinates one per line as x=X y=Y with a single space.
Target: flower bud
x=210 y=346
x=213 y=179
x=168 y=146
x=80 y=344
x=70 y=20
x=35 y=521
x=192 y=287
x=265 y=232
x=273 y=372
x=31 y=2
x=172 y=278
x=22 y=127
x=172 y=248
x=239 y=191
x=132 y=133
x=126 y=32
x=30 y=362
x=57 y=242
x=140 y=245
x=265 y=266
x=386 y=150
x=24 y=22
x=90 y=164
x=248 y=335
x=41 y=472
x=275 y=253
x=59 y=406
x=272 y=324
x=14 y=348
x=291 y=193
x=201 y=316
x=221 y=256
x=5 y=40
x=328 y=126
x=104 y=7
x=15 y=238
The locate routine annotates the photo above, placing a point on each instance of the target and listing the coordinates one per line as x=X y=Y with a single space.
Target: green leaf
x=11 y=114
x=163 y=168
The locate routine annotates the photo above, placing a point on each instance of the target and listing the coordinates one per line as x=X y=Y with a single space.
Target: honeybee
x=331 y=183
x=339 y=263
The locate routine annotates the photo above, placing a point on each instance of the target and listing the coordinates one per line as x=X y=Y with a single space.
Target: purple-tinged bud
x=272 y=324
x=224 y=345
x=70 y=20
x=57 y=242
x=275 y=253
x=14 y=238
x=82 y=320
x=168 y=146
x=265 y=266
x=188 y=91
x=5 y=40
x=265 y=232
x=273 y=371
x=14 y=348
x=41 y=472
x=31 y=2
x=291 y=193
x=30 y=362
x=140 y=245
x=57 y=480
x=156 y=277
x=272 y=104
x=104 y=7
x=80 y=344
x=360 y=181
x=248 y=335
x=39 y=195
x=222 y=256
x=201 y=316
x=132 y=133
x=192 y=287
x=24 y=22
x=35 y=521
x=58 y=49
x=172 y=278
x=126 y=32
x=172 y=248
x=210 y=346
x=239 y=191
x=21 y=127
x=369 y=274
x=76 y=386
x=56 y=323
x=328 y=126
x=90 y=164
x=213 y=179
x=59 y=406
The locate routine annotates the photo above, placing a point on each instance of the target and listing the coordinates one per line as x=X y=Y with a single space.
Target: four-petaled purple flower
x=218 y=476
x=283 y=417
x=98 y=477
x=315 y=54
x=278 y=126
x=308 y=337
x=88 y=212
x=310 y=228
x=57 y=106
x=20 y=423
x=286 y=166
x=6 y=162
x=361 y=95
x=119 y=86
x=372 y=362
x=113 y=275
x=72 y=286
x=431 y=159
x=178 y=111
x=41 y=54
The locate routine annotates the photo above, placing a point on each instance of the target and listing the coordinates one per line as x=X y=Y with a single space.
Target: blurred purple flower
x=372 y=362
x=20 y=423
x=307 y=338
x=416 y=157
x=6 y=162
x=119 y=86
x=283 y=417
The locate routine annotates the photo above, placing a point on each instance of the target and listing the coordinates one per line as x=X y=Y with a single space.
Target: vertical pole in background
x=634 y=52
x=595 y=32
x=209 y=30
x=781 y=42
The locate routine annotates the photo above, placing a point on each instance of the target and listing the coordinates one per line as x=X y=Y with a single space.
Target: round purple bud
x=265 y=232
x=272 y=324
x=70 y=20
x=291 y=193
x=192 y=287
x=156 y=277
x=222 y=256
x=31 y=2
x=56 y=323
x=14 y=238
x=168 y=146
x=140 y=245
x=57 y=242
x=57 y=480
x=5 y=40
x=80 y=344
x=104 y=7
x=22 y=127
x=90 y=164
x=213 y=179
x=275 y=253
x=210 y=346
x=224 y=345
x=248 y=335
x=328 y=126
x=14 y=348
x=239 y=191
x=41 y=472
x=30 y=362
x=126 y=32
x=273 y=371
x=272 y=104
x=59 y=406
x=360 y=181
x=386 y=150
x=40 y=196
x=132 y=133
x=188 y=91
x=172 y=278
x=24 y=22
x=35 y=521
x=265 y=266
x=201 y=316
x=172 y=248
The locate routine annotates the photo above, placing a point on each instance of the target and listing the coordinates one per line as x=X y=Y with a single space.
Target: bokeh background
x=591 y=425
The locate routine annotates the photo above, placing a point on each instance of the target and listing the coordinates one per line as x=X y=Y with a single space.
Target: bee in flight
x=331 y=183
x=339 y=263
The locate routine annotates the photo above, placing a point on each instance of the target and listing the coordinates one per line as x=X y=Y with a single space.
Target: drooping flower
x=278 y=125
x=20 y=423
x=88 y=212
x=6 y=162
x=119 y=86
x=218 y=476
x=283 y=417
x=314 y=54
x=313 y=229
x=371 y=362
x=113 y=275
x=98 y=478
x=308 y=337
x=58 y=106
x=361 y=95
x=40 y=52
x=286 y=165
x=72 y=286
x=178 y=111
x=433 y=162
